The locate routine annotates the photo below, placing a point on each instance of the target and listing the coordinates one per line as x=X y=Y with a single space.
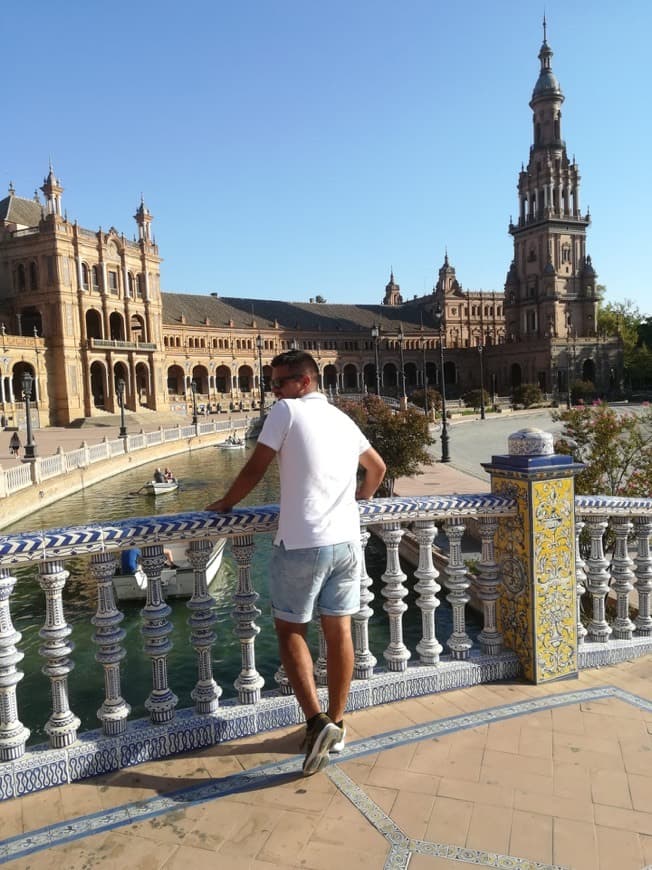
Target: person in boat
x=159 y=477
x=316 y=559
x=130 y=560
x=168 y=475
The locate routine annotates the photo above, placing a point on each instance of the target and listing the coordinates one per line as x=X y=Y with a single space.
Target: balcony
x=115 y=344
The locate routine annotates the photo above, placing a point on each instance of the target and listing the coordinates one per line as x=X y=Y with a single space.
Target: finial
x=544 y=25
x=36 y=199
x=11 y=187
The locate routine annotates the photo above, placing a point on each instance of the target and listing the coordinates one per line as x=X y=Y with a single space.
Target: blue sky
x=289 y=149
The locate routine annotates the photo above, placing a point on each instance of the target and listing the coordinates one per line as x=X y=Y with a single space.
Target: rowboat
x=177 y=581
x=233 y=443
x=153 y=487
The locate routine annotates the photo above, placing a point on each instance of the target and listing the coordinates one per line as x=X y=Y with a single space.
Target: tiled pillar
x=536 y=611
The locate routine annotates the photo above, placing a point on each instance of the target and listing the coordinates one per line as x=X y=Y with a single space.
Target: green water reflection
x=204 y=476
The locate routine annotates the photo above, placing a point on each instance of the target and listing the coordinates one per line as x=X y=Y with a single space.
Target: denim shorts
x=322 y=580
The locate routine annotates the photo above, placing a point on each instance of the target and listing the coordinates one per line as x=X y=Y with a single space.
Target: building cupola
x=392 y=292
x=52 y=191
x=143 y=218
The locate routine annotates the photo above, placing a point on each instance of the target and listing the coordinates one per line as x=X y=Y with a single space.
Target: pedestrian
x=317 y=558
x=14 y=444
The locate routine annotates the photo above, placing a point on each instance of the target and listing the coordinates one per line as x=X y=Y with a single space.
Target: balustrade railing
x=46 y=467
x=614 y=564
x=425 y=667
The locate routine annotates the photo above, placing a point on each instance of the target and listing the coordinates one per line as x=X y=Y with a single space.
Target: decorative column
x=623 y=578
x=597 y=579
x=13 y=734
x=457 y=582
x=643 y=622
x=109 y=636
x=62 y=725
x=364 y=661
x=249 y=682
x=580 y=577
x=397 y=654
x=487 y=582
x=156 y=631
x=429 y=648
x=537 y=607
x=206 y=693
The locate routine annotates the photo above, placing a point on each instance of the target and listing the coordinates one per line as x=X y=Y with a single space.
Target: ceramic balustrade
x=614 y=564
x=406 y=672
x=120 y=741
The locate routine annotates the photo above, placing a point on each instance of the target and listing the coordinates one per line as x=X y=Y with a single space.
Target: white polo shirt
x=318 y=449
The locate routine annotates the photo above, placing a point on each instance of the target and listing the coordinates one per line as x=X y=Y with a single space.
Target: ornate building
x=82 y=310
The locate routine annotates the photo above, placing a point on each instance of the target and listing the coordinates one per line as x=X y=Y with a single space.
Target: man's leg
x=339 y=662
x=297 y=661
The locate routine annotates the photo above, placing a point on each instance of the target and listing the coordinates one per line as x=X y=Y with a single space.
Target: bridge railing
x=393 y=671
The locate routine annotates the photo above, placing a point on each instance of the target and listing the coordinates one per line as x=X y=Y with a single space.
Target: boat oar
x=138 y=491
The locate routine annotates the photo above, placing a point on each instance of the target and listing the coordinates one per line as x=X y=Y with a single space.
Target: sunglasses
x=277 y=383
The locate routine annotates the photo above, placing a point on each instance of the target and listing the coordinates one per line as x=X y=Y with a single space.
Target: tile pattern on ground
x=406 y=739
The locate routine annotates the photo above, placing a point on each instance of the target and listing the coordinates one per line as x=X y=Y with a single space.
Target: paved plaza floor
x=502 y=775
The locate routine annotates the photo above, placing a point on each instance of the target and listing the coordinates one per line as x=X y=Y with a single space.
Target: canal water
x=204 y=476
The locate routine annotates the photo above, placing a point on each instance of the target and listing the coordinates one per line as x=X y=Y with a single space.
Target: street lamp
x=375 y=334
x=401 y=340
x=120 y=387
x=425 y=381
x=30 y=447
x=481 y=352
x=193 y=389
x=261 y=382
x=570 y=363
x=439 y=325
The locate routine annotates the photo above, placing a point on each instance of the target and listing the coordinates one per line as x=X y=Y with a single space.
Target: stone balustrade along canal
x=530 y=580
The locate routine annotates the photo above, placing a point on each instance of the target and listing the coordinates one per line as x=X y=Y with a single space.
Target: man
x=317 y=556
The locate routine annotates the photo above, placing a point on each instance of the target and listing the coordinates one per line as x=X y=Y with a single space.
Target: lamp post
x=261 y=382
x=120 y=387
x=193 y=389
x=481 y=352
x=570 y=364
x=401 y=340
x=425 y=381
x=30 y=447
x=439 y=325
x=375 y=334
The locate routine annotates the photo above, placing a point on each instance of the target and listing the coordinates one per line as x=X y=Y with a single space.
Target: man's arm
x=374 y=468
x=250 y=475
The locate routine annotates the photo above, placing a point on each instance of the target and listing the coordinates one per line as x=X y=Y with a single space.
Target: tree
x=474 y=399
x=615 y=446
x=527 y=394
x=402 y=438
x=434 y=398
x=320 y=299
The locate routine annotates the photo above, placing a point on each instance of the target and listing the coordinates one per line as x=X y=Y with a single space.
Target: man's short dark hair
x=298 y=361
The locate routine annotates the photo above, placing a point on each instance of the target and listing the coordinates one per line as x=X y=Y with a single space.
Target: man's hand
x=220 y=506
x=375 y=468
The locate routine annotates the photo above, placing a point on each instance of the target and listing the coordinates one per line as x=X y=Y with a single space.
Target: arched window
x=84 y=276
x=96 y=277
x=33 y=276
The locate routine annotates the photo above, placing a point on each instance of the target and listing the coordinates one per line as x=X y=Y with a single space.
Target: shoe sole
x=318 y=756
x=338 y=747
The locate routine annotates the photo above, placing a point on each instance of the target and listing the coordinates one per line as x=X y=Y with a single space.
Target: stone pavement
x=501 y=775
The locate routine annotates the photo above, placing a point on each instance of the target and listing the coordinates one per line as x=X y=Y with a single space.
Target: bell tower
x=550 y=289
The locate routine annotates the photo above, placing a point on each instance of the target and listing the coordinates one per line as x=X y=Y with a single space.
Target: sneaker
x=321 y=734
x=338 y=746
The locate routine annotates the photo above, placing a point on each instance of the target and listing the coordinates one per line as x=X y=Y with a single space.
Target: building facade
x=82 y=311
